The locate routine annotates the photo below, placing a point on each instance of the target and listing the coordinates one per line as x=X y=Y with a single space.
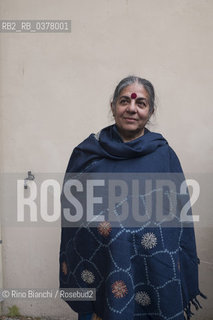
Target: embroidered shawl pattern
x=139 y=273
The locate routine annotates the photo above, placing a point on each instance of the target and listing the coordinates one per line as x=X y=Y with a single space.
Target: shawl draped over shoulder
x=142 y=272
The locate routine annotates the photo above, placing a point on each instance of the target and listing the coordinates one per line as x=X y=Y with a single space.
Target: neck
x=129 y=136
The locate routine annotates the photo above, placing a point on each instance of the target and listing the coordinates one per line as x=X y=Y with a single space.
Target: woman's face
x=131 y=112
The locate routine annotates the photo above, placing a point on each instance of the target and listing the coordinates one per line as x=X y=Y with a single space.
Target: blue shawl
x=139 y=273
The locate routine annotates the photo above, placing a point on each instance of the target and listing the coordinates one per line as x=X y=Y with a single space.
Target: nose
x=132 y=107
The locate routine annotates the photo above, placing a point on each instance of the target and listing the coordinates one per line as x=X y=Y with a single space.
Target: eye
x=123 y=102
x=141 y=104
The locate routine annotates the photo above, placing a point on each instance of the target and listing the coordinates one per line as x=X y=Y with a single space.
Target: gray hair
x=130 y=80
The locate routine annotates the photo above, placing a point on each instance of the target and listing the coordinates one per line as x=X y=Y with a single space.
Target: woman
x=141 y=271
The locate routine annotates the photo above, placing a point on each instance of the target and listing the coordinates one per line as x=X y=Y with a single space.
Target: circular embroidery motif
x=149 y=240
x=104 y=228
x=119 y=289
x=142 y=298
x=87 y=276
x=64 y=268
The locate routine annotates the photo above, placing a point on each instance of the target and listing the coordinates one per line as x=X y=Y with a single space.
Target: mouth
x=130 y=119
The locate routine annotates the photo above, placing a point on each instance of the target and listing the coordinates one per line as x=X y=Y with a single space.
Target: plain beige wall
x=55 y=90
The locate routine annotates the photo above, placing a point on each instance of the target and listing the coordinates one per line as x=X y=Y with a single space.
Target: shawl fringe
x=195 y=303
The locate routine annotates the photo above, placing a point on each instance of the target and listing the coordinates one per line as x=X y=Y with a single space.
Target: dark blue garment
x=87 y=316
x=149 y=271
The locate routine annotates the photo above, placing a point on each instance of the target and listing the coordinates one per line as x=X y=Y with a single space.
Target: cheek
x=144 y=114
x=118 y=112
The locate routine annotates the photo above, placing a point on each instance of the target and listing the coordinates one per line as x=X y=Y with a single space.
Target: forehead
x=136 y=88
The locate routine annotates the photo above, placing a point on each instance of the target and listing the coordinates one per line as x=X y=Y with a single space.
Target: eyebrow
x=138 y=98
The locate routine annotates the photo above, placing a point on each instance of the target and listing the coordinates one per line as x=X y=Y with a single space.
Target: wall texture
x=55 y=90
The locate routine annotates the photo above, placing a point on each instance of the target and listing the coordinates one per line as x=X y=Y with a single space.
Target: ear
x=113 y=109
x=151 y=113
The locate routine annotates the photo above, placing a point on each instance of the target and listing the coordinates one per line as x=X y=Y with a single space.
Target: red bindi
x=133 y=95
